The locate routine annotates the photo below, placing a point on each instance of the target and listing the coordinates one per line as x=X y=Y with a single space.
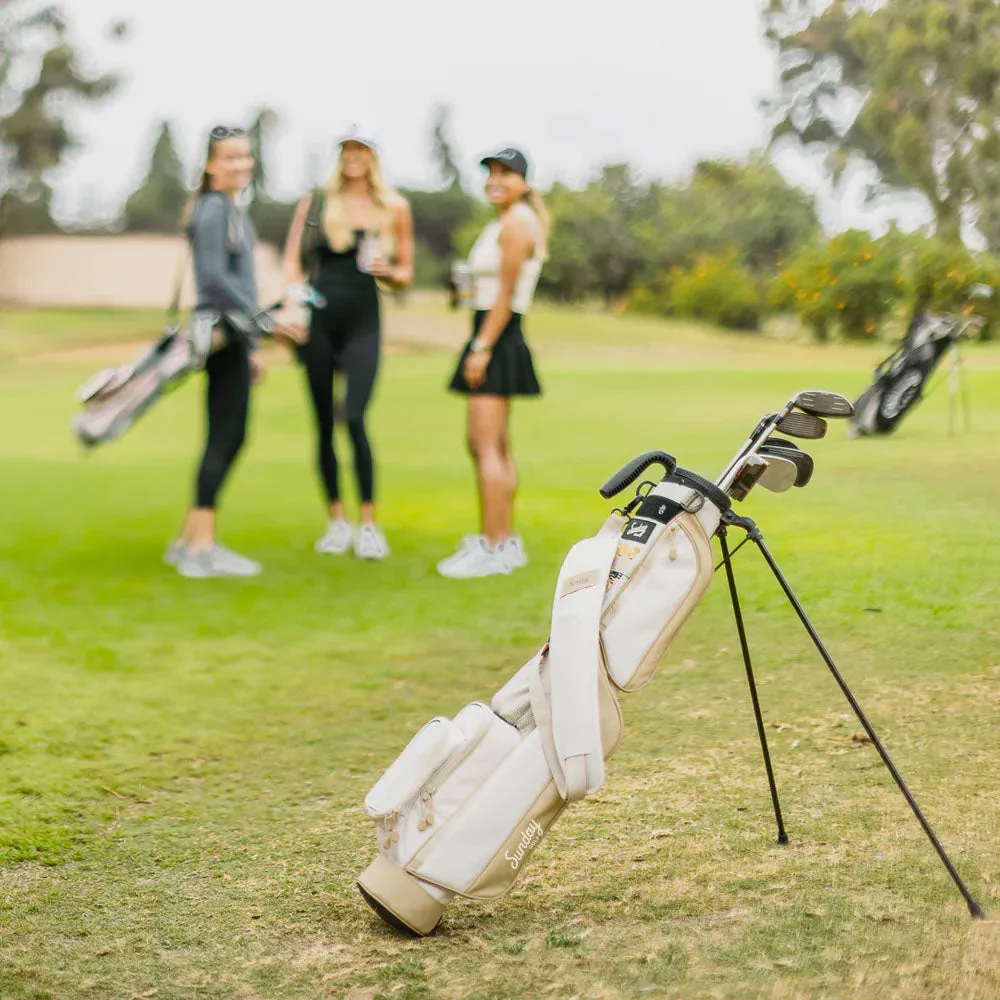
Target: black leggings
x=228 y=400
x=347 y=339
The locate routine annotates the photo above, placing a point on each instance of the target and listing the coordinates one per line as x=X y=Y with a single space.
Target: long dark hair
x=218 y=134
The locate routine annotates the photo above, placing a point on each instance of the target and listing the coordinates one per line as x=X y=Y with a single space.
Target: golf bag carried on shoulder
x=463 y=807
x=115 y=398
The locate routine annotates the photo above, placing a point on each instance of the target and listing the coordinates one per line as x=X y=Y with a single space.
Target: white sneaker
x=467 y=543
x=370 y=543
x=479 y=559
x=513 y=552
x=338 y=538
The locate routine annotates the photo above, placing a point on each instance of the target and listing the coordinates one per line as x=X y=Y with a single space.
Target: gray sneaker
x=215 y=562
x=197 y=565
x=233 y=564
x=175 y=552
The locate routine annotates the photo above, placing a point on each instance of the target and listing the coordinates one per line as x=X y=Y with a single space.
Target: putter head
x=808 y=426
x=780 y=474
x=824 y=404
x=793 y=453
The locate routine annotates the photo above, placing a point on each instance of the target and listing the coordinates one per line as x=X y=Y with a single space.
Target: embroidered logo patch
x=581 y=582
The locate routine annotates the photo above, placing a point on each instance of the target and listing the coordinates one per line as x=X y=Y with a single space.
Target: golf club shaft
x=974 y=908
x=744 y=646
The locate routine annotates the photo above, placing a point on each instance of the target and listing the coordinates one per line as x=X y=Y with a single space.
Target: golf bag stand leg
x=744 y=646
x=754 y=534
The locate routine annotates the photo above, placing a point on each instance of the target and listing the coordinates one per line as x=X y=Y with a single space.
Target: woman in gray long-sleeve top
x=223 y=240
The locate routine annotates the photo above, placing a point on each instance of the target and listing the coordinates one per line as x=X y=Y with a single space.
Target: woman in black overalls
x=357 y=231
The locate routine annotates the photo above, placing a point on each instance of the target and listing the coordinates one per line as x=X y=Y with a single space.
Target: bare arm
x=292 y=259
x=403 y=271
x=401 y=274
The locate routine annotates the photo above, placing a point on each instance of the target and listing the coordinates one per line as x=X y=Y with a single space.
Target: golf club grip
x=630 y=472
x=708 y=489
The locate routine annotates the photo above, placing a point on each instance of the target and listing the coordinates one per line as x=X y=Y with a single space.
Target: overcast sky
x=575 y=83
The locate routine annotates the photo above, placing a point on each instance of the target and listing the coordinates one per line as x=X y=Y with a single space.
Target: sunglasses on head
x=221 y=132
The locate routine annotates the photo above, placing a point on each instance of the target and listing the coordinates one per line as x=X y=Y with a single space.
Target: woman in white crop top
x=496 y=363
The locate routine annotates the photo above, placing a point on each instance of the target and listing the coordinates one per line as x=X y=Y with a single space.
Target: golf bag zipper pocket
x=406 y=778
x=404 y=803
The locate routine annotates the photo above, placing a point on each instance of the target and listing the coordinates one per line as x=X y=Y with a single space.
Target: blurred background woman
x=223 y=240
x=496 y=363
x=350 y=238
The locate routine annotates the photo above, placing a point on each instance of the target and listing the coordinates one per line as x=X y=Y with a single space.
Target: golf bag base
x=399 y=899
x=467 y=802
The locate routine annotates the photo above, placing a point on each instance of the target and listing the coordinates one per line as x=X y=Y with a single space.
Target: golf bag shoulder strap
x=567 y=707
x=312 y=231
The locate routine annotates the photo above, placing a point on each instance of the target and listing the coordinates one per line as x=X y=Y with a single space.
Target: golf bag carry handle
x=630 y=472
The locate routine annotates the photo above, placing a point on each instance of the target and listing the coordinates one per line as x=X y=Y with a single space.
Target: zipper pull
x=390 y=835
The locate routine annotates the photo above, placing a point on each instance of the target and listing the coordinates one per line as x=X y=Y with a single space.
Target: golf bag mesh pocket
x=434 y=775
x=513 y=701
x=655 y=584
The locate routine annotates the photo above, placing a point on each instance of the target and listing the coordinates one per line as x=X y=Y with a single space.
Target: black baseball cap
x=512 y=159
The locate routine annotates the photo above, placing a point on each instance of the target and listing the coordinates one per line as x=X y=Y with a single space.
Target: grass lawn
x=182 y=763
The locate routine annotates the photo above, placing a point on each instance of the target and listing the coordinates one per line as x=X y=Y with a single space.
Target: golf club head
x=747 y=477
x=824 y=404
x=808 y=426
x=780 y=474
x=793 y=453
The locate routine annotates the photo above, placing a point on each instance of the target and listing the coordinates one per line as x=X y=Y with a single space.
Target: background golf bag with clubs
x=465 y=804
x=900 y=381
x=115 y=398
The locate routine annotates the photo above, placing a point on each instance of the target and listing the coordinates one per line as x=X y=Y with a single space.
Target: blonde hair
x=338 y=230
x=536 y=203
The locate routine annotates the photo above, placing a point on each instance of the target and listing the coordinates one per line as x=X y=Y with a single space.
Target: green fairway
x=183 y=763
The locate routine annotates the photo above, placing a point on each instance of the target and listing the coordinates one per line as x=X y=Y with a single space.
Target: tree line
x=908 y=89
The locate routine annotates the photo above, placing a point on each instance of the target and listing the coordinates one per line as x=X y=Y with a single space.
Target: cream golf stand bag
x=463 y=807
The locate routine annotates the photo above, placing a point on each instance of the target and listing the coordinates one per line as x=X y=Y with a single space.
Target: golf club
x=809 y=423
x=781 y=473
x=786 y=449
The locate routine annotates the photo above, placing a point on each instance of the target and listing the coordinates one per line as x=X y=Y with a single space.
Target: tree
x=264 y=123
x=617 y=233
x=271 y=218
x=443 y=150
x=158 y=204
x=34 y=130
x=440 y=215
x=911 y=87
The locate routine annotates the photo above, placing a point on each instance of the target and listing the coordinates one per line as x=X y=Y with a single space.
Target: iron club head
x=824 y=404
x=780 y=474
x=792 y=453
x=803 y=425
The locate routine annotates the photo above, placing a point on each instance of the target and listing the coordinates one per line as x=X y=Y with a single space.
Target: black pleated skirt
x=511 y=371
